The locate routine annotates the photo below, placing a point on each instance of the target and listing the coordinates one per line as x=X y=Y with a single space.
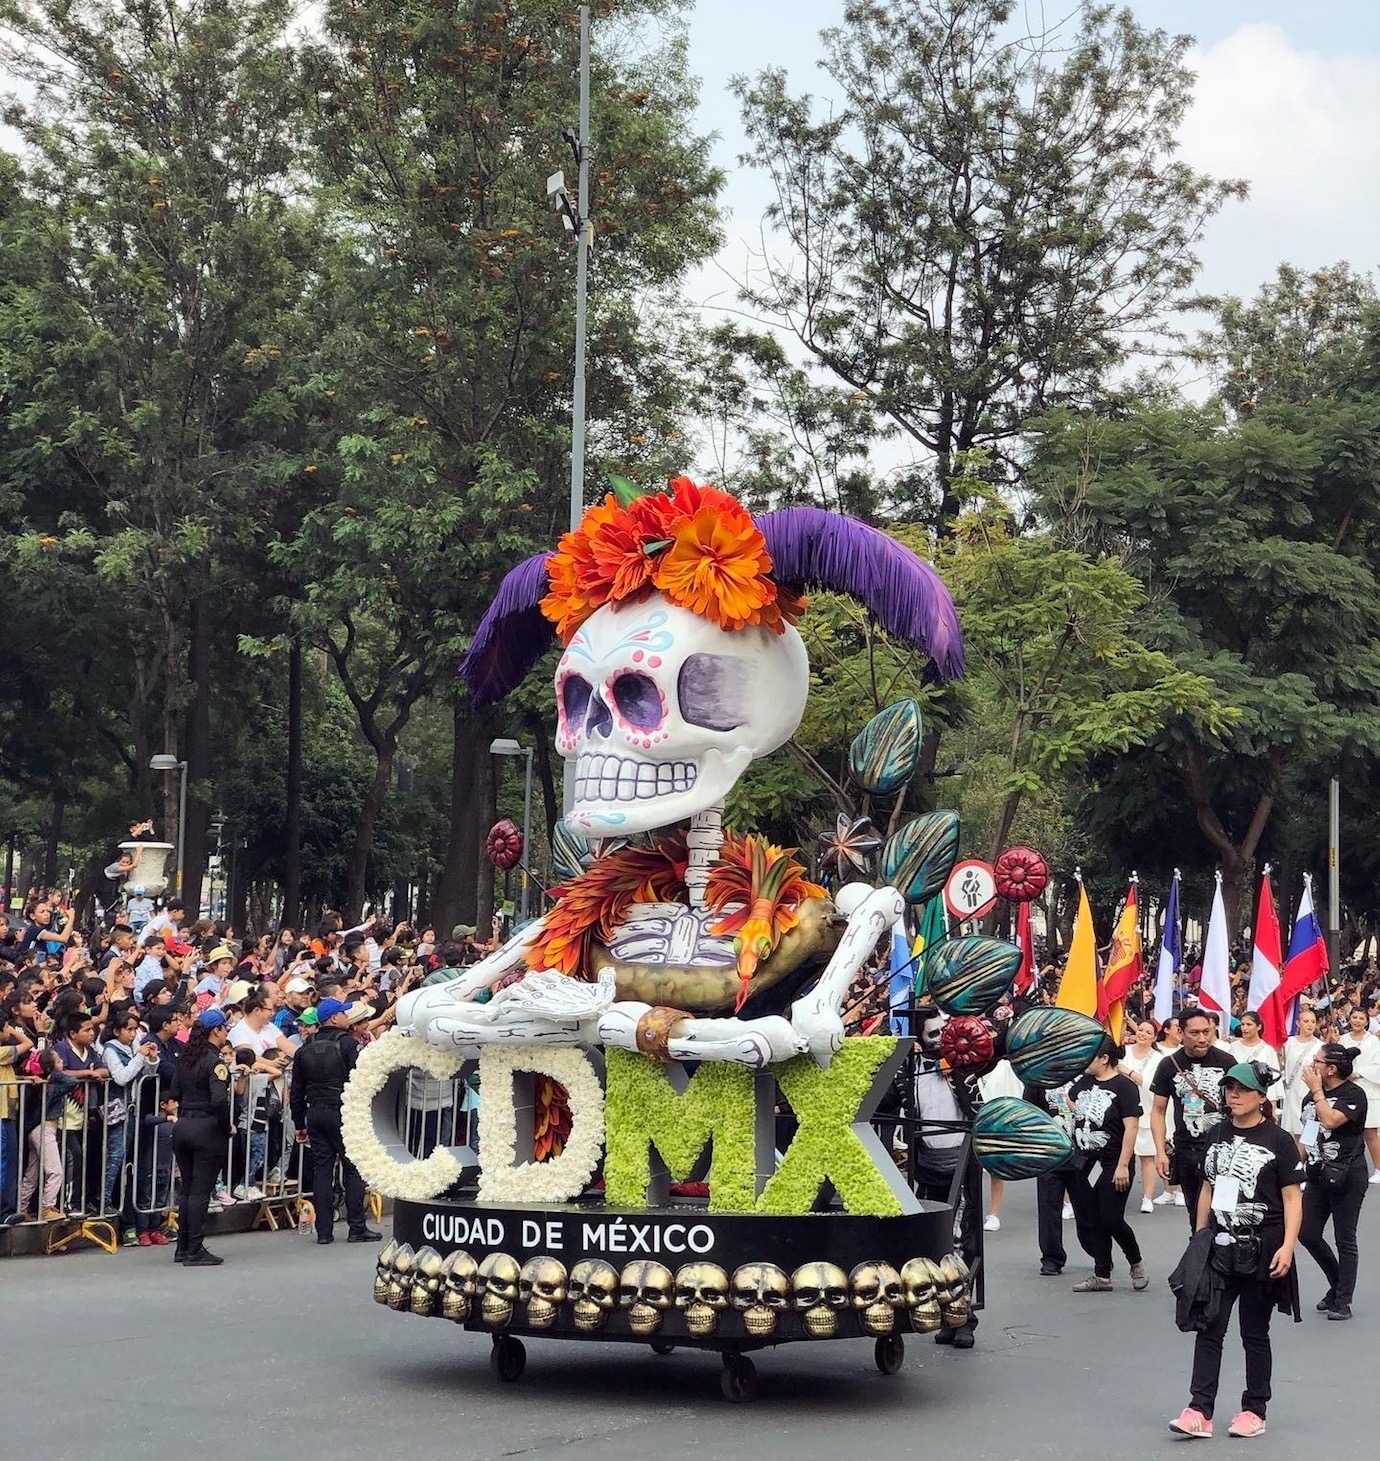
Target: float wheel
x=659 y=1346
x=889 y=1353
x=739 y=1382
x=508 y=1358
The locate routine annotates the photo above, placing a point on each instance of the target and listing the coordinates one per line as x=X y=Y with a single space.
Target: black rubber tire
x=660 y=1346
x=890 y=1353
x=508 y=1358
x=739 y=1382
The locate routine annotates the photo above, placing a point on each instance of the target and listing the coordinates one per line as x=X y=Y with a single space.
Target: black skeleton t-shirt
x=1195 y=1088
x=1101 y=1110
x=1249 y=1168
x=1344 y=1144
x=1055 y=1102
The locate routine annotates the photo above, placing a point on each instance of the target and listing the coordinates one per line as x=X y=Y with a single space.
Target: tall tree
x=981 y=226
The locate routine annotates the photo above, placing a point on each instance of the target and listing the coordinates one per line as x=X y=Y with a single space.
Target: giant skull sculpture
x=662 y=711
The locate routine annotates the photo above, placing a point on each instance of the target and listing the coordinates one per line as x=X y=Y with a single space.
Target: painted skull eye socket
x=638 y=700
x=575 y=693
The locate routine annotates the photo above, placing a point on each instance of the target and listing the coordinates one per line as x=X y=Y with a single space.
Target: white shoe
x=992 y=1223
x=275 y=1177
x=1068 y=1211
x=248 y=1194
x=1179 y=1200
x=1375 y=1178
x=1164 y=1199
x=1146 y=1205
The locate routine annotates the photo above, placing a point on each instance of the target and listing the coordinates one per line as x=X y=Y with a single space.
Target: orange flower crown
x=697 y=545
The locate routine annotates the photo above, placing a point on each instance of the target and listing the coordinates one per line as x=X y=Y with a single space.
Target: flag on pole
x=1171 y=956
x=1307 y=961
x=1266 y=962
x=934 y=929
x=1215 y=990
x=1025 y=975
x=1124 y=966
x=1078 y=987
x=902 y=980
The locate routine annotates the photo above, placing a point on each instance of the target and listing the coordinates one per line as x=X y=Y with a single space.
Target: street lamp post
x=506 y=746
x=171 y=763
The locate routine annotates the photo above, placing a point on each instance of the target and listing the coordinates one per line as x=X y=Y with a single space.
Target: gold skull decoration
x=593 y=1291
x=955 y=1277
x=426 y=1282
x=383 y=1271
x=701 y=1295
x=400 y=1284
x=542 y=1287
x=498 y=1277
x=760 y=1292
x=819 y=1291
x=646 y=1290
x=920 y=1280
x=459 y=1281
x=876 y=1290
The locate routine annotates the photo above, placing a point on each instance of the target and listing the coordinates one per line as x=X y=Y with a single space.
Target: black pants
x=199 y=1146
x=934 y=1185
x=1256 y=1307
x=1050 y=1191
x=1343 y=1206
x=1099 y=1212
x=1187 y=1173
x=327 y=1146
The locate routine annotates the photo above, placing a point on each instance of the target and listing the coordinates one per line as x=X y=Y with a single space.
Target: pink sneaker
x=1248 y=1423
x=1192 y=1423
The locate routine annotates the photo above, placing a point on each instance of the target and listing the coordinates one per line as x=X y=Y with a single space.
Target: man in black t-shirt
x=1333 y=1141
x=1190 y=1077
x=1052 y=1188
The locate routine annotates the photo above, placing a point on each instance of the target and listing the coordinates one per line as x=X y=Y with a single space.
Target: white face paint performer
x=681 y=667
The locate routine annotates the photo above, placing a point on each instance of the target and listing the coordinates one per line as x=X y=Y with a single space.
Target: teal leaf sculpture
x=1047 y=1047
x=1014 y=1140
x=919 y=856
x=886 y=751
x=969 y=976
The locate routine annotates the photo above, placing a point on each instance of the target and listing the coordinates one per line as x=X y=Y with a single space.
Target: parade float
x=676 y=1143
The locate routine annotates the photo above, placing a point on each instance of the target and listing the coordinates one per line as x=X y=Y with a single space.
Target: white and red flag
x=1267 y=962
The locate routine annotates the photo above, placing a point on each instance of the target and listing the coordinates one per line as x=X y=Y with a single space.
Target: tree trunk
x=171 y=784
x=292 y=820
x=54 y=837
x=546 y=774
x=365 y=828
x=198 y=734
x=488 y=814
x=456 y=887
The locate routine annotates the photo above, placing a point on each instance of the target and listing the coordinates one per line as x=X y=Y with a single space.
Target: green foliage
x=825 y=1147
x=643 y=1109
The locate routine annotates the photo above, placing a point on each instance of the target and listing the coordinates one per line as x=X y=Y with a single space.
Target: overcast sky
x=1288 y=97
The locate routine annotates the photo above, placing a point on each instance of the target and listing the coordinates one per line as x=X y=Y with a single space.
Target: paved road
x=281 y=1354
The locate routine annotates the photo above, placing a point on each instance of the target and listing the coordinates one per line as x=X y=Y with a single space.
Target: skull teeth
x=608 y=778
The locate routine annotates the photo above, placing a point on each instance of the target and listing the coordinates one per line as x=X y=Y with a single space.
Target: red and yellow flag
x=1124 y=967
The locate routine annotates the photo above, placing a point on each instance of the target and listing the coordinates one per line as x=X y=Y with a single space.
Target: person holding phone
x=1333 y=1142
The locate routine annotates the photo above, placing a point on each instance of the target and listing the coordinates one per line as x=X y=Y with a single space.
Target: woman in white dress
x=1366 y=1073
x=1298 y=1054
x=1249 y=1045
x=1001 y=1080
x=1138 y=1065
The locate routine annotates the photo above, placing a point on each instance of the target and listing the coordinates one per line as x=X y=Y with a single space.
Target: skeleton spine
x=704 y=841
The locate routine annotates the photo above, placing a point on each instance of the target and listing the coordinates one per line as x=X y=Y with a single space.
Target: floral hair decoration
x=697 y=545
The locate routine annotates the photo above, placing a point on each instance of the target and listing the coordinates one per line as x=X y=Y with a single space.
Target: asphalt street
x=282 y=1354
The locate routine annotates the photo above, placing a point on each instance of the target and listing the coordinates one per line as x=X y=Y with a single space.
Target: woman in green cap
x=1253 y=1204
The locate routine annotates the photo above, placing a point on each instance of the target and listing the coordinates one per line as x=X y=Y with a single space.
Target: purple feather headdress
x=809 y=548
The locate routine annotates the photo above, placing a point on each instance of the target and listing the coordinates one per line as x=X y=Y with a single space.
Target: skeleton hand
x=417 y=1009
x=667 y=933
x=547 y=1007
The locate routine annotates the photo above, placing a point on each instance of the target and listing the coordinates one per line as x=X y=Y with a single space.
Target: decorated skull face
x=542 y=1286
x=498 y=1276
x=426 y=1282
x=459 y=1279
x=593 y=1290
x=400 y=1284
x=920 y=1280
x=876 y=1296
x=760 y=1291
x=953 y=1290
x=702 y=1295
x=818 y=1292
x=645 y=1290
x=383 y=1271
x=662 y=711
